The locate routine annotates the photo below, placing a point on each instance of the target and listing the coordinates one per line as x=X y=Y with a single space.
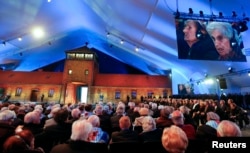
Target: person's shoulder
x=60 y=148
x=115 y=133
x=188 y=126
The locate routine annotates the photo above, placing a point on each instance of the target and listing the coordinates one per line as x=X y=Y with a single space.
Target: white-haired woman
x=149 y=130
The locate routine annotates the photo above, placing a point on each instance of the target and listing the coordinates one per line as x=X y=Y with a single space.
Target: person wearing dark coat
x=195 y=43
x=163 y=120
x=55 y=134
x=114 y=120
x=150 y=133
x=79 y=140
x=125 y=134
x=6 y=127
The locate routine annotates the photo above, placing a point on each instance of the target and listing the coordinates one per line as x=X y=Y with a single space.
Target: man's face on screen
x=222 y=43
x=190 y=32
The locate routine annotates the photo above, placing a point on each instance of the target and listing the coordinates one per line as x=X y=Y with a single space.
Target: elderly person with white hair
x=164 y=120
x=137 y=124
x=105 y=123
x=149 y=130
x=32 y=122
x=6 y=127
x=40 y=110
x=178 y=120
x=174 y=140
x=79 y=140
x=130 y=110
x=120 y=111
x=208 y=130
x=186 y=113
x=75 y=115
x=228 y=128
x=143 y=113
x=50 y=121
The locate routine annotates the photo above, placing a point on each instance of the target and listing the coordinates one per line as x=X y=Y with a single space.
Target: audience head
x=7 y=115
x=13 y=107
x=94 y=120
x=144 y=111
x=148 y=124
x=222 y=102
x=137 y=109
x=124 y=122
x=53 y=111
x=230 y=101
x=174 y=139
x=166 y=111
x=61 y=116
x=213 y=116
x=98 y=109
x=81 y=130
x=32 y=117
x=106 y=109
x=76 y=113
x=154 y=106
x=228 y=128
x=88 y=107
x=232 y=105
x=160 y=107
x=177 y=117
x=184 y=109
x=131 y=104
x=120 y=109
x=23 y=140
x=39 y=107
x=146 y=106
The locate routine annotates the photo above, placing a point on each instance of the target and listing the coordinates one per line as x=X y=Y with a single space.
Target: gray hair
x=228 y=128
x=76 y=113
x=148 y=124
x=94 y=120
x=98 y=109
x=224 y=28
x=184 y=109
x=7 y=115
x=81 y=130
x=32 y=117
x=213 y=116
x=174 y=139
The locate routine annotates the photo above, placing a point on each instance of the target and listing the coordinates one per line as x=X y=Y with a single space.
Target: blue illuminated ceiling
x=148 y=24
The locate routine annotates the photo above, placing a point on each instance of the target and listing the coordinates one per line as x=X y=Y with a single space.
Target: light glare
x=38 y=32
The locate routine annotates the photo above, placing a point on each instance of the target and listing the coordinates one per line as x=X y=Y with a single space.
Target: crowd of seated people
x=73 y=127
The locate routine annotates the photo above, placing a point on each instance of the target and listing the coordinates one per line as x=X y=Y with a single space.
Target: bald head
x=124 y=122
x=228 y=128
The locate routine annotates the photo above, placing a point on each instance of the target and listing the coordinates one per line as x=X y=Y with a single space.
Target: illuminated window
x=133 y=94
x=88 y=56
x=71 y=55
x=117 y=94
x=150 y=94
x=165 y=93
x=18 y=91
x=80 y=56
x=51 y=93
